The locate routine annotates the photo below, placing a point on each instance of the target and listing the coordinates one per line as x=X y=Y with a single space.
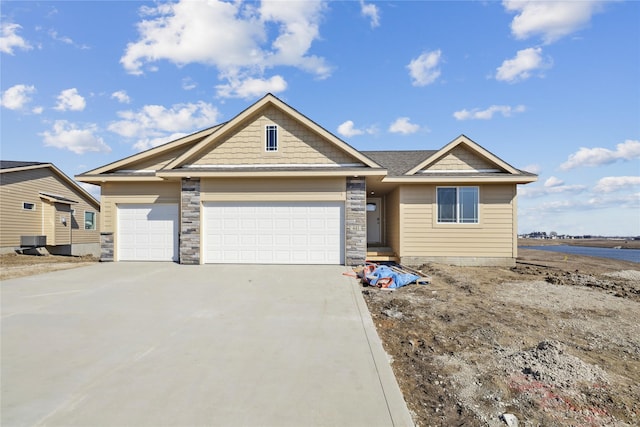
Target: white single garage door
x=148 y=232
x=274 y=232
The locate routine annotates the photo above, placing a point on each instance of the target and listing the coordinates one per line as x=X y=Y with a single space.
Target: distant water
x=632 y=255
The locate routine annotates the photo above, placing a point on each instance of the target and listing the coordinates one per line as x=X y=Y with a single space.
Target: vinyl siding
x=297 y=144
x=392 y=220
x=460 y=158
x=114 y=193
x=25 y=186
x=422 y=236
x=276 y=189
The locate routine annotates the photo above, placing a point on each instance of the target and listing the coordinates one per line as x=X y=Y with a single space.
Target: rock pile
x=549 y=363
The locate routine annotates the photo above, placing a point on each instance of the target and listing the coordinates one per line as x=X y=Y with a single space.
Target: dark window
x=271 y=138
x=89 y=220
x=458 y=205
x=28 y=206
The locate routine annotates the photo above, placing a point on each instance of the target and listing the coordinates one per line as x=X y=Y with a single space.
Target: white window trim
x=457 y=222
x=33 y=209
x=266 y=138
x=84 y=220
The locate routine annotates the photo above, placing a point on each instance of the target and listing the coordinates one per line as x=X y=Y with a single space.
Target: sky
x=552 y=88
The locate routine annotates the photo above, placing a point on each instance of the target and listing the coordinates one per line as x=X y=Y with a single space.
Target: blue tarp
x=399 y=279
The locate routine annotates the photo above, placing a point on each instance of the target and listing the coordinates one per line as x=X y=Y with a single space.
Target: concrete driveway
x=151 y=344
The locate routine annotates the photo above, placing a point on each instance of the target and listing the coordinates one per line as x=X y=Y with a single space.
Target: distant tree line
x=554 y=235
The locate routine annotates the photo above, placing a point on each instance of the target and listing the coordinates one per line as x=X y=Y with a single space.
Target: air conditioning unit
x=33 y=241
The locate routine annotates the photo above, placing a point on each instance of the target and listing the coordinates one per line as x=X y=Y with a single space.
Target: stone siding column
x=356 y=221
x=106 y=247
x=190 y=221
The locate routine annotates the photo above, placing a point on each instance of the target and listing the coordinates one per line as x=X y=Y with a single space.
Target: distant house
x=42 y=207
x=271 y=186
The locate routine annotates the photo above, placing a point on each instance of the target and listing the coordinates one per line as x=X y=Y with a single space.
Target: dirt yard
x=554 y=341
x=15 y=265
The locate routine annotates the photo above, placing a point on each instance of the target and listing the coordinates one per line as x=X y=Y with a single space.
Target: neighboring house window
x=89 y=220
x=28 y=206
x=271 y=138
x=458 y=205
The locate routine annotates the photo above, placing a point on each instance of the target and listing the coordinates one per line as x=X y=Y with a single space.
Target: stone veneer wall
x=356 y=221
x=106 y=247
x=190 y=221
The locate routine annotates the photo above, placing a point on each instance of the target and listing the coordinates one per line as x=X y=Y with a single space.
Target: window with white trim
x=458 y=205
x=27 y=206
x=89 y=220
x=271 y=138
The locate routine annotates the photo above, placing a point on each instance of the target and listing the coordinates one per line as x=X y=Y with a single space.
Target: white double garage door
x=238 y=232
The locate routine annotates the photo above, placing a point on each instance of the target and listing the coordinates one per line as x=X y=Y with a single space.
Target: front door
x=374 y=216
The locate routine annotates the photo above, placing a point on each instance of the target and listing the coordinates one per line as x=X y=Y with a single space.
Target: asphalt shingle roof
x=9 y=164
x=399 y=162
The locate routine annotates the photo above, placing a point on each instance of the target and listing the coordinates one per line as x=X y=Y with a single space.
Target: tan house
x=41 y=207
x=272 y=186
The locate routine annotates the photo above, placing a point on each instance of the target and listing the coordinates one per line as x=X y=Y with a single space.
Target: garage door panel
x=274 y=232
x=147 y=232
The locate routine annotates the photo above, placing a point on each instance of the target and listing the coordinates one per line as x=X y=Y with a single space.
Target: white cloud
x=488 y=113
x=553 y=187
x=522 y=66
x=424 y=69
x=69 y=99
x=610 y=184
x=121 y=96
x=37 y=110
x=238 y=36
x=188 y=83
x=63 y=39
x=553 y=182
x=10 y=40
x=69 y=136
x=404 y=126
x=551 y=20
x=251 y=87
x=299 y=25
x=628 y=150
x=370 y=11
x=154 y=124
x=348 y=129
x=17 y=97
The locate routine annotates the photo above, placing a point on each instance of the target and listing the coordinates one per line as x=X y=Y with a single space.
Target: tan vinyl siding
x=275 y=189
x=25 y=186
x=392 y=220
x=460 y=158
x=63 y=230
x=421 y=235
x=49 y=221
x=114 y=193
x=297 y=144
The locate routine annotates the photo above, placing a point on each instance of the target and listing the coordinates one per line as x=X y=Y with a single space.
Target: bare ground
x=554 y=341
x=18 y=265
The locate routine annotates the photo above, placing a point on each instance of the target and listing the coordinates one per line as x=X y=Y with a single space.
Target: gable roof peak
x=268 y=99
x=472 y=145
